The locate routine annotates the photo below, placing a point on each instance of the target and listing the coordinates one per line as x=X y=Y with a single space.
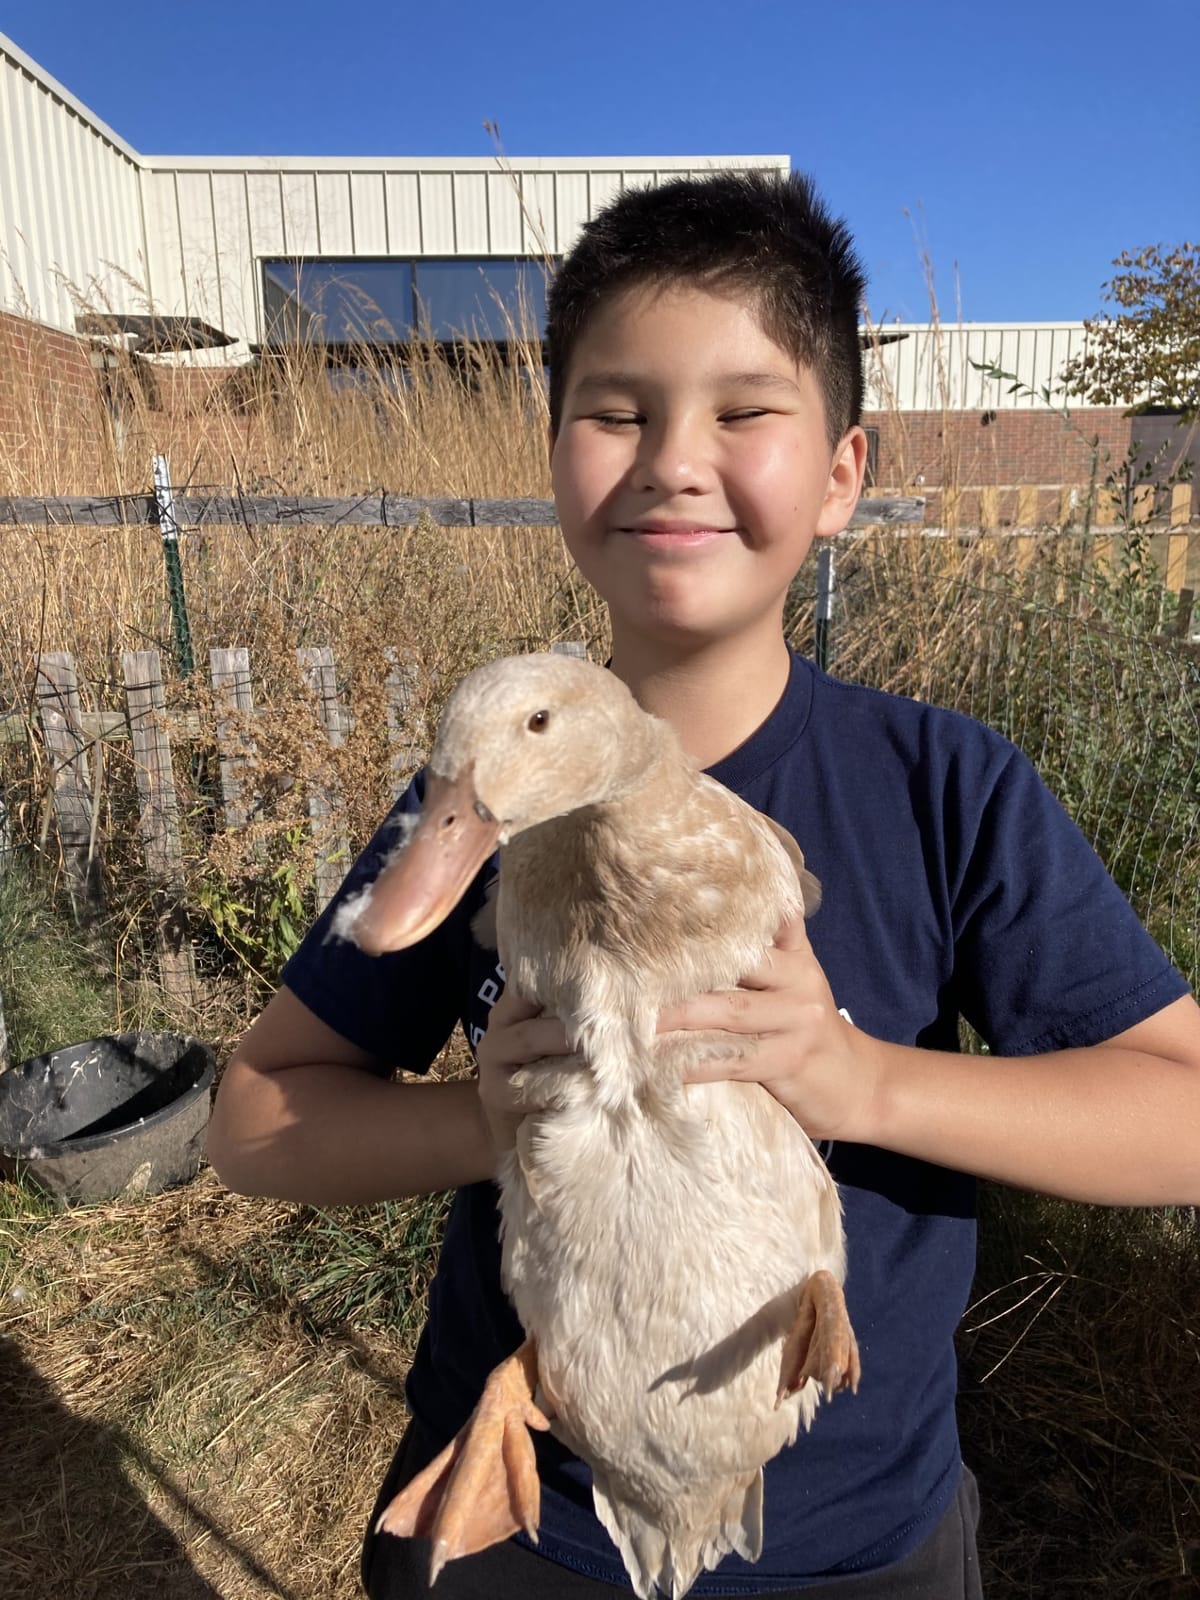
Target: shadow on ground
x=74 y=1524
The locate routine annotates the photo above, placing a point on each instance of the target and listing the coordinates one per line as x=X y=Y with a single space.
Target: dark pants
x=946 y=1567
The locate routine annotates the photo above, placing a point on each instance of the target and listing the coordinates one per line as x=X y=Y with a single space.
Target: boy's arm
x=1117 y=1123
x=300 y=1116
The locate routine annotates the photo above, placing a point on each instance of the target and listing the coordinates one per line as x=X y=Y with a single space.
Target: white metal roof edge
x=884 y=328
x=60 y=92
x=410 y=163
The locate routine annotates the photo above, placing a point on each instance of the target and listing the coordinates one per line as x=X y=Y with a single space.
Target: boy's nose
x=672 y=460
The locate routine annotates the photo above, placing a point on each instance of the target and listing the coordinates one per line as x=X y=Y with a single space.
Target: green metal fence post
x=165 y=500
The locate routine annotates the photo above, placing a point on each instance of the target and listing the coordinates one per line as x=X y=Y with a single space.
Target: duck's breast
x=657 y=1271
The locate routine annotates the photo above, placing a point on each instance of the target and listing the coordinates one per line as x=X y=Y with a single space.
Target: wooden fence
x=71 y=737
x=366 y=510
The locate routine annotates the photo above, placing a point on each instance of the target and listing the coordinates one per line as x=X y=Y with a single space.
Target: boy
x=706 y=389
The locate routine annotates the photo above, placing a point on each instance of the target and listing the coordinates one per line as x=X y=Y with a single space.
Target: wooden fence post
x=229 y=673
x=5 y=859
x=74 y=803
x=1027 y=506
x=1177 y=561
x=406 y=755
x=333 y=850
x=159 y=818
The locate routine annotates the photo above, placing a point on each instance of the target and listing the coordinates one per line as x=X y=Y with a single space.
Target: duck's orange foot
x=821 y=1344
x=484 y=1486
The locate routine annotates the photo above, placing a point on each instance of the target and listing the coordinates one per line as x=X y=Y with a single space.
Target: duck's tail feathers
x=669 y=1562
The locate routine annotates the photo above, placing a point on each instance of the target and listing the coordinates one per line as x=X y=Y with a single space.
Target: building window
x=338 y=302
x=360 y=302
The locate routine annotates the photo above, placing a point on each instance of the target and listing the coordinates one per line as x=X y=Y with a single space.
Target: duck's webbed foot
x=484 y=1486
x=821 y=1344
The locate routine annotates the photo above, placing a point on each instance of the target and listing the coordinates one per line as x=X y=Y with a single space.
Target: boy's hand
x=796 y=1044
x=517 y=1034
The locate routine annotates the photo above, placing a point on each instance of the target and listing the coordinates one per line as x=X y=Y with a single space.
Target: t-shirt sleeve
x=401 y=1007
x=1049 y=953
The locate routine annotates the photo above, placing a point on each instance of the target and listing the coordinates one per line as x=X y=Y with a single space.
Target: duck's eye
x=538 y=722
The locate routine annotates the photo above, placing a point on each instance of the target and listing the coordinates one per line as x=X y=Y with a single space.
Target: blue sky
x=1023 y=145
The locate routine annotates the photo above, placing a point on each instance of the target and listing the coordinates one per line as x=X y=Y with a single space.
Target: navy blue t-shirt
x=954 y=883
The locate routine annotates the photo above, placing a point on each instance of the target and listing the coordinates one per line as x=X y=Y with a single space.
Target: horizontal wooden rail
x=373 y=511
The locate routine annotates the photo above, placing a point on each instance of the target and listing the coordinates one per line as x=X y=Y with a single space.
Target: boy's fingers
x=539 y=1036
x=725 y=1010
x=514 y=1007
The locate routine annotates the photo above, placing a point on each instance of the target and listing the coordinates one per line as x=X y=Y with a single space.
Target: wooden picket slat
x=1142 y=507
x=58 y=711
x=1109 y=507
x=1027 y=506
x=162 y=844
x=229 y=674
x=6 y=846
x=1177 y=561
x=406 y=754
x=1181 y=504
x=333 y=850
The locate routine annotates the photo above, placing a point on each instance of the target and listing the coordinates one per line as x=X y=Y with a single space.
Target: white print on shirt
x=489 y=993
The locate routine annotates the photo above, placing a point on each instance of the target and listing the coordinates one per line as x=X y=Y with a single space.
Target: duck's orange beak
x=453 y=838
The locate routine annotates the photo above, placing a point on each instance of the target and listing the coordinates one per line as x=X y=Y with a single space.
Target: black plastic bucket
x=115 y=1117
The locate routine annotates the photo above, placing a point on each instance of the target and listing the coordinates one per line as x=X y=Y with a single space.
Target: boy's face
x=691 y=467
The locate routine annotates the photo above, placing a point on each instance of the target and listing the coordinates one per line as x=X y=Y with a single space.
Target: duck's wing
x=810 y=888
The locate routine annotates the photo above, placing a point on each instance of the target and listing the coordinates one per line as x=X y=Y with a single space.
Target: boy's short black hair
x=767 y=234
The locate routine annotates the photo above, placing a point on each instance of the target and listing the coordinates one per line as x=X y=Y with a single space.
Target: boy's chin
x=682 y=630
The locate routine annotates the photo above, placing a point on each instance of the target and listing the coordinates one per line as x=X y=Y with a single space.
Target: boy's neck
x=714 y=696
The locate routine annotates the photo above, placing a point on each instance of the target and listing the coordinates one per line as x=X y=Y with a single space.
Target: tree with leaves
x=1148 y=354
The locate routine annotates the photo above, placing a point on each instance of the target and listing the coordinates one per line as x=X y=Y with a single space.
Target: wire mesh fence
x=1088 y=668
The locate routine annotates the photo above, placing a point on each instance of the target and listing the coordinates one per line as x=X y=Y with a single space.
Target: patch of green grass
x=56 y=988
x=363 y=1267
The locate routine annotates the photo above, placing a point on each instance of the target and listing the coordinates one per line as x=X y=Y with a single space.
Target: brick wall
x=54 y=392
x=47 y=389
x=972 y=448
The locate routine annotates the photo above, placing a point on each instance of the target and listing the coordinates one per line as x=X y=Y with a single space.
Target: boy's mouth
x=675 y=533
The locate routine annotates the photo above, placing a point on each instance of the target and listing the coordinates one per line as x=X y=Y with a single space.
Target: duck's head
x=521 y=740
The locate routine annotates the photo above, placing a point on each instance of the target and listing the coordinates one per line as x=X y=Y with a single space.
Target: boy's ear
x=845 y=482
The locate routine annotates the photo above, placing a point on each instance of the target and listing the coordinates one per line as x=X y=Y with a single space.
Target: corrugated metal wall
x=70 y=208
x=930 y=369
x=209 y=222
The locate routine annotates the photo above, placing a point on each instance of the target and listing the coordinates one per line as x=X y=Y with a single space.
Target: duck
x=675 y=1251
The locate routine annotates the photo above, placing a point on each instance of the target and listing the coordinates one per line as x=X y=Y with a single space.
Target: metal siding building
x=70 y=200
x=930 y=367
x=88 y=223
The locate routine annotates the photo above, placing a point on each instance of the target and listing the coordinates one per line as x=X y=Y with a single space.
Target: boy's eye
x=616 y=419
x=743 y=414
